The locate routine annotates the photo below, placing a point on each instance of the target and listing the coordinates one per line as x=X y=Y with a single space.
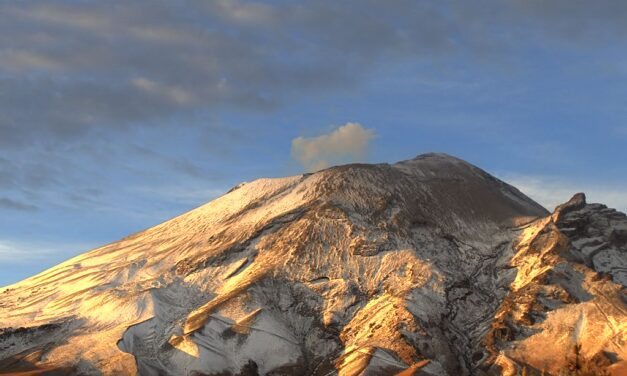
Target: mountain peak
x=358 y=269
x=438 y=155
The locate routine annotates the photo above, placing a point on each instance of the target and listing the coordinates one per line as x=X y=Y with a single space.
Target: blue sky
x=117 y=116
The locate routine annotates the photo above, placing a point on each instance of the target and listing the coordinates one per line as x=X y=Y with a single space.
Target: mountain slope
x=427 y=266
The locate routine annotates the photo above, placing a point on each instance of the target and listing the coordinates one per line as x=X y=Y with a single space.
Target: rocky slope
x=425 y=267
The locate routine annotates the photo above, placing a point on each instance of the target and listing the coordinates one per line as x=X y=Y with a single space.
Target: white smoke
x=348 y=143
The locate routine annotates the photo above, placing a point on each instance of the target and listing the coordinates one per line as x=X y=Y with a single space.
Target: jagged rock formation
x=565 y=311
x=426 y=267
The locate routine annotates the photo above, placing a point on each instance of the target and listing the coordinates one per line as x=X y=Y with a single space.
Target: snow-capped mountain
x=424 y=267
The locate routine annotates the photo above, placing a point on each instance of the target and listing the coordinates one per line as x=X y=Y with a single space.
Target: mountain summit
x=429 y=266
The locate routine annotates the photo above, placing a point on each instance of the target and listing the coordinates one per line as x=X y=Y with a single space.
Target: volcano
x=429 y=266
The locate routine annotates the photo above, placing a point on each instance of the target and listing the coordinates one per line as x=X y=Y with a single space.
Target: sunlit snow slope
x=426 y=267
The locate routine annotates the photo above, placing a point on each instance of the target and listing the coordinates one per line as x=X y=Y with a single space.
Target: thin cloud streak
x=19 y=252
x=550 y=191
x=183 y=195
x=7 y=203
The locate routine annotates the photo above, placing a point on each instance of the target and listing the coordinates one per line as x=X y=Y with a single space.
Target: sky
x=115 y=116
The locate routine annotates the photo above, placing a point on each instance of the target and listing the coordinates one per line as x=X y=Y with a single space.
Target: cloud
x=187 y=195
x=576 y=20
x=18 y=252
x=550 y=191
x=7 y=203
x=67 y=68
x=348 y=143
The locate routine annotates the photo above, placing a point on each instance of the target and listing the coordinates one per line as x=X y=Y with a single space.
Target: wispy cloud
x=162 y=58
x=184 y=195
x=347 y=143
x=8 y=203
x=19 y=252
x=551 y=191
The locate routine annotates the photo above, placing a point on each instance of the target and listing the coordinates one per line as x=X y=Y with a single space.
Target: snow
x=357 y=269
